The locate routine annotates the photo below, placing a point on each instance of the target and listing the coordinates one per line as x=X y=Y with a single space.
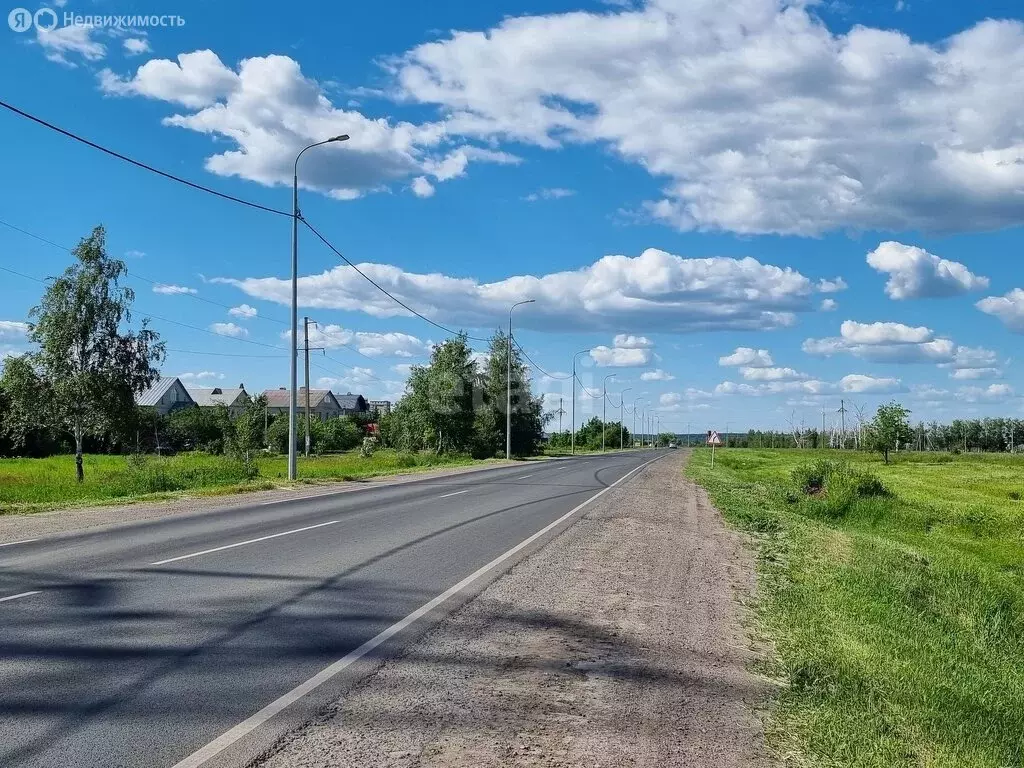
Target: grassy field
x=896 y=615
x=40 y=484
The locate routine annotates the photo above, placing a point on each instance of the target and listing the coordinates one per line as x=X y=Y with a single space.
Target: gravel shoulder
x=30 y=525
x=619 y=643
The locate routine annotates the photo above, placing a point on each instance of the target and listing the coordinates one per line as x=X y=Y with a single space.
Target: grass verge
x=896 y=612
x=35 y=485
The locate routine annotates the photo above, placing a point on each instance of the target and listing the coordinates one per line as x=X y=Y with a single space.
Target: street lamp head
x=342 y=137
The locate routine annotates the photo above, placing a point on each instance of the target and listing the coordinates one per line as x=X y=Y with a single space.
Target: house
x=380 y=407
x=166 y=395
x=323 y=404
x=352 y=403
x=233 y=398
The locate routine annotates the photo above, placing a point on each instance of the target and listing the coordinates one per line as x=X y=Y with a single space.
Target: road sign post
x=713 y=440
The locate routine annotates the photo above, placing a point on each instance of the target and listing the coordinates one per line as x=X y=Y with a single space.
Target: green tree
x=890 y=427
x=527 y=411
x=437 y=410
x=88 y=366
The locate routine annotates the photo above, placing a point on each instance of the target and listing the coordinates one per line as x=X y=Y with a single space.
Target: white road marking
x=242 y=543
x=453 y=494
x=15 y=597
x=247 y=726
x=523 y=477
x=23 y=541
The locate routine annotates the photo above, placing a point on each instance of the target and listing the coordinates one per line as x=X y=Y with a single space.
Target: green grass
x=32 y=485
x=897 y=622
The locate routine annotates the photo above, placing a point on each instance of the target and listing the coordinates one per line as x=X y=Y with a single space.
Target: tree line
x=75 y=391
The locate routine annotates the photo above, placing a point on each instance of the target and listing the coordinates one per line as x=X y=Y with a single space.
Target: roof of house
x=205 y=396
x=278 y=398
x=351 y=402
x=152 y=395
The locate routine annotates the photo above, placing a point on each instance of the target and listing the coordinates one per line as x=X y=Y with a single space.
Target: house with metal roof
x=166 y=395
x=323 y=404
x=235 y=399
x=352 y=403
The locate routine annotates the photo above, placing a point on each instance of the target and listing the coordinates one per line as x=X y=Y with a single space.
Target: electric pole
x=306 y=322
x=842 y=430
x=305 y=331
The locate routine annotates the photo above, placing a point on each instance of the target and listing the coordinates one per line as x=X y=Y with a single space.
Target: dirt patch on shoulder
x=617 y=644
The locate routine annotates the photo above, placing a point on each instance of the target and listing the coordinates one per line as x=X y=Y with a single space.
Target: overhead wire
x=135 y=275
x=381 y=288
x=138 y=163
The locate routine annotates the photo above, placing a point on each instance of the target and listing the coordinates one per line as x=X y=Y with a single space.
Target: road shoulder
x=618 y=643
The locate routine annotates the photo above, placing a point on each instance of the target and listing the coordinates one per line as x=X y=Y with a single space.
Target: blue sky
x=692 y=191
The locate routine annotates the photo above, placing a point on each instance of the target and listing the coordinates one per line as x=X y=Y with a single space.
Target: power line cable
x=592 y=396
x=379 y=287
x=549 y=375
x=139 y=164
x=136 y=275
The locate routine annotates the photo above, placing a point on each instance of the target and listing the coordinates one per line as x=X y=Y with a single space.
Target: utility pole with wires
x=560 y=412
x=305 y=330
x=842 y=432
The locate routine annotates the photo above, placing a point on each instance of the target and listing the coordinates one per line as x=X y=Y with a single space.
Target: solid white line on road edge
x=23 y=541
x=247 y=726
x=242 y=543
x=15 y=597
x=453 y=494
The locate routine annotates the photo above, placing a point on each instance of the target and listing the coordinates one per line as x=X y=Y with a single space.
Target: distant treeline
x=995 y=435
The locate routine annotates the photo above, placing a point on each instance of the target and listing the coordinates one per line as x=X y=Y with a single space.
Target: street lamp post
x=622 y=420
x=581 y=352
x=604 y=407
x=293 y=400
x=635 y=402
x=508 y=382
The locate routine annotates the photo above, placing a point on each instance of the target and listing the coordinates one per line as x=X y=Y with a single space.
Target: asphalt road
x=139 y=645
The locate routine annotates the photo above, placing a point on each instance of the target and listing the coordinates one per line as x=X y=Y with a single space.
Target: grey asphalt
x=120 y=662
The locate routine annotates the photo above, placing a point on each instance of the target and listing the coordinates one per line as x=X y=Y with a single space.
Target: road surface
x=144 y=644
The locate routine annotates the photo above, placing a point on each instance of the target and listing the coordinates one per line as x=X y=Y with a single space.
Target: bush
x=835 y=486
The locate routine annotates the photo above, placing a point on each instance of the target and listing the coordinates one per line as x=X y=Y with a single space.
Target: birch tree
x=89 y=365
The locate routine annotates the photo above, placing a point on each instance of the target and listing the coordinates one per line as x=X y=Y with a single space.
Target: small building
x=323 y=404
x=351 y=404
x=235 y=399
x=380 y=407
x=166 y=395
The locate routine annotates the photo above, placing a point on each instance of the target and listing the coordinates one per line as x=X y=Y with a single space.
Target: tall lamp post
x=581 y=352
x=635 y=402
x=293 y=400
x=508 y=382
x=604 y=407
x=622 y=420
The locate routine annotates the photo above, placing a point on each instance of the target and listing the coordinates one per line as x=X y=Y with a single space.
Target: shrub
x=835 y=486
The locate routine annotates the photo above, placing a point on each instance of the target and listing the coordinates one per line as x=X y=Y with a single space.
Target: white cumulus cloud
x=916 y=274
x=243 y=311
x=751 y=373
x=898 y=343
x=757 y=116
x=13 y=330
x=267 y=110
x=369 y=343
x=750 y=358
x=656 y=375
x=857 y=383
x=172 y=290
x=229 y=329
x=655 y=290
x=1008 y=308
